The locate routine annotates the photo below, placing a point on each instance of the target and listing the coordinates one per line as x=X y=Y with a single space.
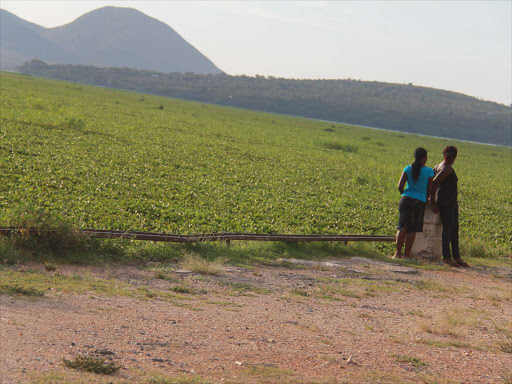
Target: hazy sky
x=460 y=46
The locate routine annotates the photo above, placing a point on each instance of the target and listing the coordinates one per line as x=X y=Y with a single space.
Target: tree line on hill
x=399 y=107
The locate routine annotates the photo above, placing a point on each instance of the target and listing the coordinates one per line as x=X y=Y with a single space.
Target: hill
x=108 y=159
x=397 y=107
x=106 y=37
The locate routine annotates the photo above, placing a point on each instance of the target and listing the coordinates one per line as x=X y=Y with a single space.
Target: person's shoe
x=398 y=256
x=461 y=262
x=451 y=263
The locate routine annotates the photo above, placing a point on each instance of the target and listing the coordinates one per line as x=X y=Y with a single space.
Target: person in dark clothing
x=414 y=186
x=444 y=201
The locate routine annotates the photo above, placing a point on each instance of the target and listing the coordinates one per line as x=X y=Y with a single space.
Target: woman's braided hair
x=419 y=153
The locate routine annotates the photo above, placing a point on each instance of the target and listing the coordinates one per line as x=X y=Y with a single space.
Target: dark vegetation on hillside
x=398 y=107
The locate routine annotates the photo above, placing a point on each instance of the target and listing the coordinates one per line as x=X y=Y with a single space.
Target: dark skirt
x=411 y=214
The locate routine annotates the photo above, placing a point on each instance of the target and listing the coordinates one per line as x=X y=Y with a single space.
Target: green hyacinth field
x=109 y=159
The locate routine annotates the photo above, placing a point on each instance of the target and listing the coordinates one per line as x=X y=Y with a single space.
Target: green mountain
x=399 y=107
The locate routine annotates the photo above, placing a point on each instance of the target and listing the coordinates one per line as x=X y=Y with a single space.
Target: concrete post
x=427 y=245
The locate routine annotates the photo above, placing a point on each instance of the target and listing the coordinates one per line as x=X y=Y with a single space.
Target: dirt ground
x=346 y=321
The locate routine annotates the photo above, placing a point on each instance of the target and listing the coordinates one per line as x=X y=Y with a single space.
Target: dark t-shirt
x=446 y=194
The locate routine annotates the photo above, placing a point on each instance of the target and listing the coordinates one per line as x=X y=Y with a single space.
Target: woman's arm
x=429 y=188
x=445 y=171
x=401 y=183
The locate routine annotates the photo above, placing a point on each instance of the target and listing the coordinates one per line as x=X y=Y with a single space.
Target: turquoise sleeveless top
x=417 y=189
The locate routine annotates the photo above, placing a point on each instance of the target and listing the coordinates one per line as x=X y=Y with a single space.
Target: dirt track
x=357 y=321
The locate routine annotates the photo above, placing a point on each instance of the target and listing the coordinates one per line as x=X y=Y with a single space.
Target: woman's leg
x=454 y=237
x=455 y=240
x=400 y=238
x=447 y=220
x=402 y=227
x=409 y=241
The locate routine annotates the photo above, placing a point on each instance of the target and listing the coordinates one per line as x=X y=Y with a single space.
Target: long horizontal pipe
x=226 y=236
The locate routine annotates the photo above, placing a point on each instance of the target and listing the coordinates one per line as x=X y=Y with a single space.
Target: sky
x=462 y=46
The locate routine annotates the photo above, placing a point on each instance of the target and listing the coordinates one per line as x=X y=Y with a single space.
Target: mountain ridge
x=105 y=37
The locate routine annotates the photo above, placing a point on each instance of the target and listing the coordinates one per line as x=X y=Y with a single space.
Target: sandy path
x=269 y=325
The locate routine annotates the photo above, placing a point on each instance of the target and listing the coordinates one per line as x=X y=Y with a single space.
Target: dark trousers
x=450 y=219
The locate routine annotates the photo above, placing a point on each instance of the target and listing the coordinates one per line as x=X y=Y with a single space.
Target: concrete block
x=427 y=245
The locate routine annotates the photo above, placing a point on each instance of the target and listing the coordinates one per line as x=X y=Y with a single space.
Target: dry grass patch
x=262 y=374
x=506 y=347
x=358 y=287
x=449 y=343
x=417 y=313
x=506 y=377
x=195 y=263
x=182 y=379
x=164 y=274
x=504 y=327
x=67 y=377
x=244 y=289
x=432 y=285
x=413 y=361
x=224 y=304
x=332 y=292
x=452 y=322
x=426 y=378
x=376 y=376
x=497 y=298
x=183 y=288
x=33 y=283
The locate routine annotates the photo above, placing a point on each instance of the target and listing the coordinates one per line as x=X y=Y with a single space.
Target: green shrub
x=92 y=364
x=342 y=147
x=54 y=235
x=6 y=289
x=478 y=249
x=362 y=180
x=414 y=361
x=37 y=103
x=9 y=253
x=76 y=123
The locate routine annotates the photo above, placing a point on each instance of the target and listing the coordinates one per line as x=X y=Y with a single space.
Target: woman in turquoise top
x=415 y=185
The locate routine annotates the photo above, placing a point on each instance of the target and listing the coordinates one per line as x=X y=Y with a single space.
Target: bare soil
x=349 y=321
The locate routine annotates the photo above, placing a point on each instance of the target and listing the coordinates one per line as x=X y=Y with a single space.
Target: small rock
x=405 y=270
x=157 y=359
x=239 y=363
x=104 y=352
